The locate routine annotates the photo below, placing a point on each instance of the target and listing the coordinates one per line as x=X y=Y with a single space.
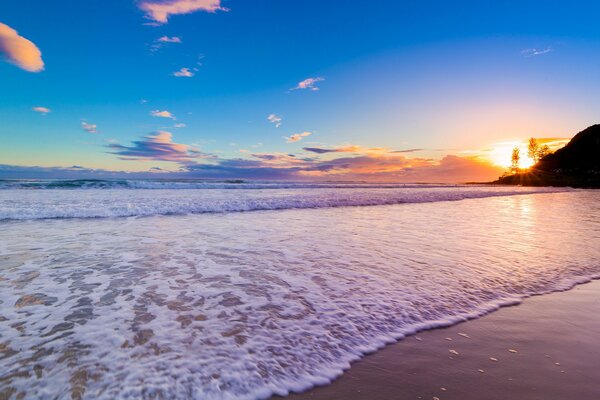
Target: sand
x=546 y=348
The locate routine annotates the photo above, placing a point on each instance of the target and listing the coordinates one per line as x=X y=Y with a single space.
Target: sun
x=501 y=154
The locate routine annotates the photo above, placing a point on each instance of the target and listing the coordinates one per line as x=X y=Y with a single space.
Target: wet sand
x=546 y=348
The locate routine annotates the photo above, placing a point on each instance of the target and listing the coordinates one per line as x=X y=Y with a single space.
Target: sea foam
x=247 y=305
x=19 y=204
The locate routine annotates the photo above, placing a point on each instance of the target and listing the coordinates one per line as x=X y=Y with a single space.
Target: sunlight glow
x=501 y=154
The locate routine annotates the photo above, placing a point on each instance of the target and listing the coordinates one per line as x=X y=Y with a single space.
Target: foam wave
x=175 y=184
x=23 y=205
x=247 y=305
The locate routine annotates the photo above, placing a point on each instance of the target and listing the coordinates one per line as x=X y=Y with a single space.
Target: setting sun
x=501 y=153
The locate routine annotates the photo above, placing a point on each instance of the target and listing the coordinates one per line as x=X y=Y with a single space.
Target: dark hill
x=580 y=156
x=577 y=164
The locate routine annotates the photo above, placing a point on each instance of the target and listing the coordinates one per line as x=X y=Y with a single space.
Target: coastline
x=544 y=348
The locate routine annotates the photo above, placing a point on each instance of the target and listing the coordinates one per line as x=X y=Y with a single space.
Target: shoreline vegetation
x=576 y=165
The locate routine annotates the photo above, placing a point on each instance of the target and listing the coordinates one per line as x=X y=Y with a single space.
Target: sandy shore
x=546 y=348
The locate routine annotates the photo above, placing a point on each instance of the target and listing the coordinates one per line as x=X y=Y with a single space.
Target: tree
x=533 y=150
x=537 y=152
x=543 y=151
x=515 y=160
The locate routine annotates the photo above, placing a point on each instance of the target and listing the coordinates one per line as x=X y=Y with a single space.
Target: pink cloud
x=42 y=110
x=167 y=39
x=184 y=73
x=275 y=120
x=20 y=51
x=308 y=83
x=160 y=10
x=297 y=137
x=89 y=128
x=157 y=146
x=162 y=114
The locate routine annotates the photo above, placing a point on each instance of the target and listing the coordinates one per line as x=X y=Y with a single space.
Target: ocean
x=115 y=289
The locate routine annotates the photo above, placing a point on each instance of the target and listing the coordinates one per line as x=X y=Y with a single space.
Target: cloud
x=535 y=52
x=179 y=125
x=42 y=110
x=345 y=149
x=184 y=73
x=275 y=119
x=406 y=151
x=160 y=10
x=73 y=172
x=90 y=128
x=279 y=159
x=297 y=137
x=371 y=167
x=163 y=41
x=157 y=146
x=308 y=83
x=167 y=39
x=20 y=51
x=162 y=114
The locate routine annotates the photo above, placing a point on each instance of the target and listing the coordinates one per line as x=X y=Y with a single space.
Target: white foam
x=246 y=305
x=18 y=204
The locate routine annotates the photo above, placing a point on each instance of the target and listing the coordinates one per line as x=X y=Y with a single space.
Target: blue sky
x=445 y=79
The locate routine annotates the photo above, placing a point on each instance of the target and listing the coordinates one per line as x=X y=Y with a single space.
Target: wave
x=25 y=205
x=248 y=305
x=46 y=184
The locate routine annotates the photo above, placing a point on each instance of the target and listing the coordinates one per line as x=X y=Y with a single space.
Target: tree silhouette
x=537 y=152
x=515 y=160
x=533 y=150
x=543 y=151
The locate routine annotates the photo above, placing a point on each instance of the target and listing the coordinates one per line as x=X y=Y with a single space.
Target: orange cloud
x=160 y=10
x=398 y=168
x=162 y=114
x=157 y=146
x=296 y=137
x=20 y=51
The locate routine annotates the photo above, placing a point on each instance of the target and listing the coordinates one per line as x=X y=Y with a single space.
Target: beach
x=545 y=348
x=245 y=291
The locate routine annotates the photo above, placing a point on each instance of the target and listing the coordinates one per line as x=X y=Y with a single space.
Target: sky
x=431 y=91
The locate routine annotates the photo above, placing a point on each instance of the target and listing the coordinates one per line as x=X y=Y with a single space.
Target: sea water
x=242 y=290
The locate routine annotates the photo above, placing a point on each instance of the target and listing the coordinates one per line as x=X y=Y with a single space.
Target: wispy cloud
x=163 y=41
x=157 y=146
x=275 y=120
x=90 y=128
x=167 y=39
x=162 y=114
x=184 y=73
x=180 y=125
x=308 y=84
x=296 y=137
x=160 y=11
x=406 y=151
x=344 y=149
x=20 y=51
x=535 y=52
x=42 y=110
